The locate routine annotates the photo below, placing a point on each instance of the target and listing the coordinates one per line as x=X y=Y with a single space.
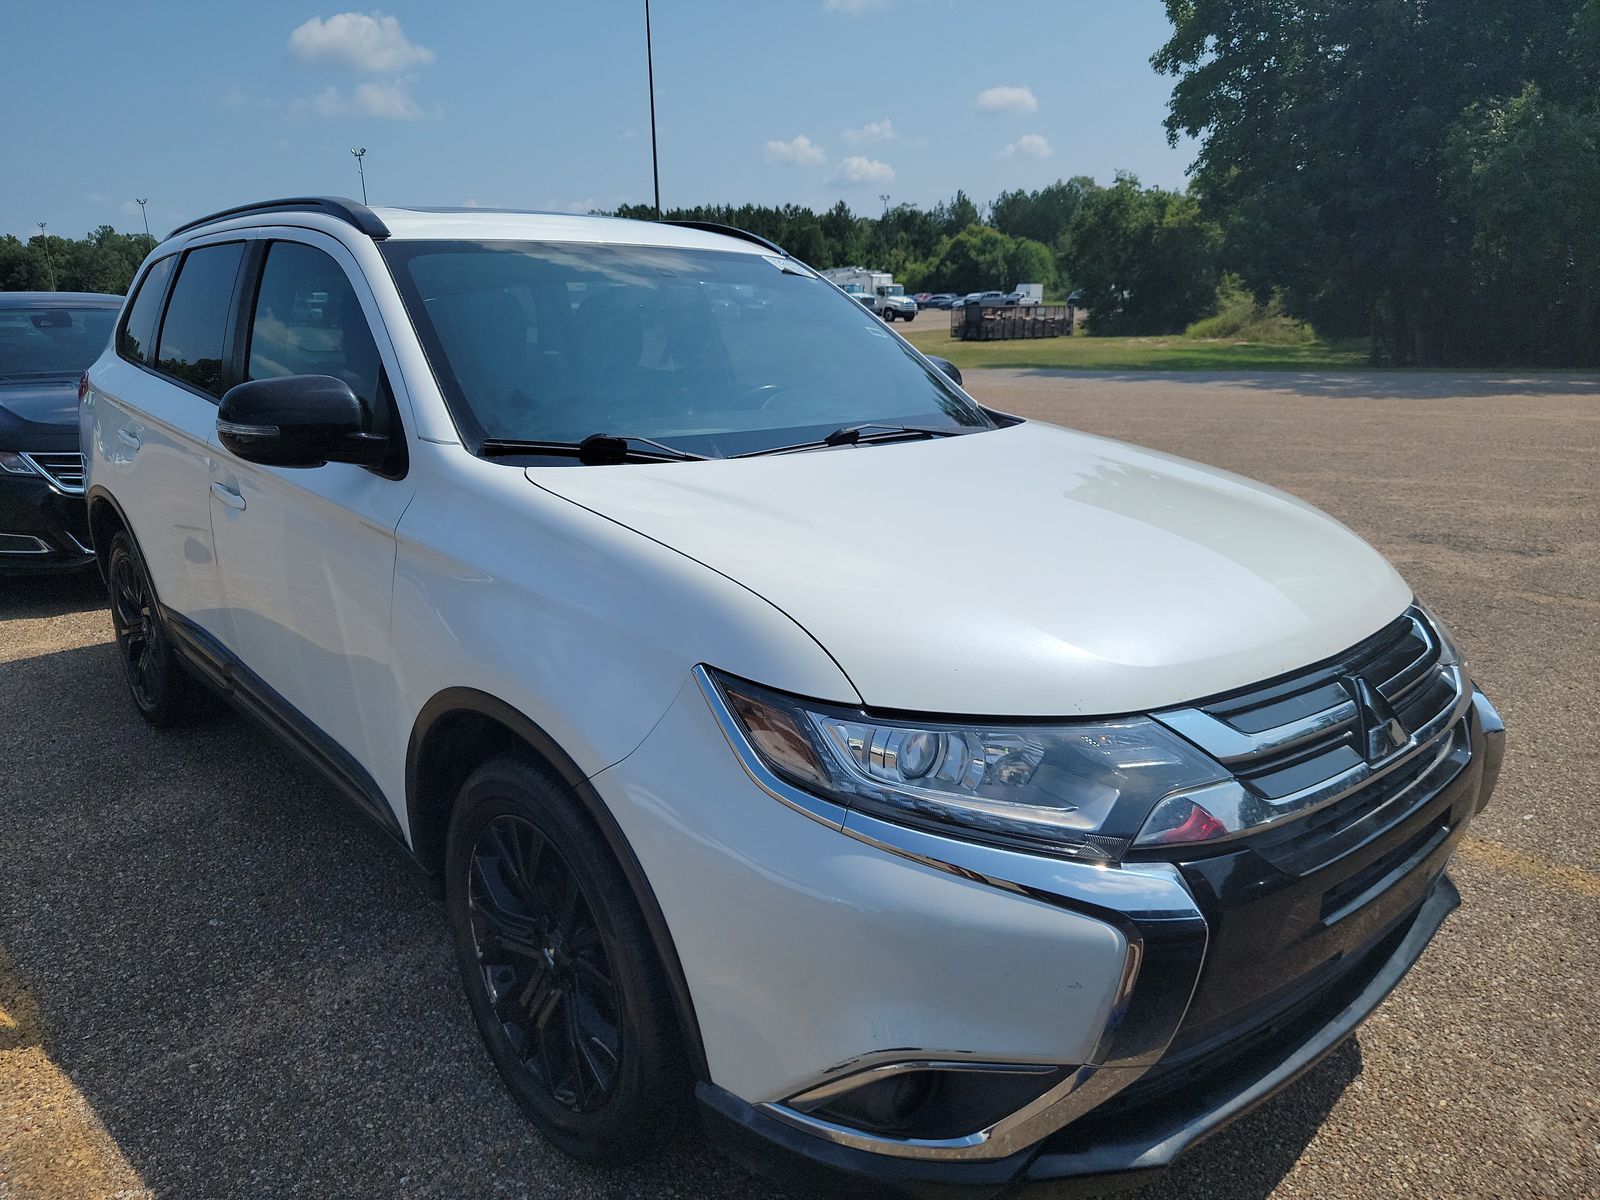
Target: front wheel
x=559 y=968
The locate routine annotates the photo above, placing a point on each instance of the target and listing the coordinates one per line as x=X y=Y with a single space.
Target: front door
x=306 y=557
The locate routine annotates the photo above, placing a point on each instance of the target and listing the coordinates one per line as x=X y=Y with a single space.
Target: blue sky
x=198 y=105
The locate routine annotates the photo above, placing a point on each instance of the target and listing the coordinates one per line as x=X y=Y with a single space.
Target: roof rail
x=348 y=211
x=732 y=231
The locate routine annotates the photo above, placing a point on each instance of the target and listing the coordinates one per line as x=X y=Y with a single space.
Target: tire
x=163 y=691
x=559 y=968
x=911 y=316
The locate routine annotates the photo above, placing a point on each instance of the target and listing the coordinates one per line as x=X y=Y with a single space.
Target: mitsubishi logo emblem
x=1381 y=732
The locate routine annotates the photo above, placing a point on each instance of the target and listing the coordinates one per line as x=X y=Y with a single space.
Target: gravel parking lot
x=214 y=983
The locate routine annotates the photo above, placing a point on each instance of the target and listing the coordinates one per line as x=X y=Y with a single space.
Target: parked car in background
x=1020 y=300
x=939 y=300
x=981 y=299
x=922 y=298
x=594 y=597
x=47 y=341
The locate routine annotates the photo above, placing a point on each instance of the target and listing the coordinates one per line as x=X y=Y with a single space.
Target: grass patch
x=1240 y=318
x=1180 y=353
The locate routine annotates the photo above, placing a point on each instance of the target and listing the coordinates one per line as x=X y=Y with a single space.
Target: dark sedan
x=47 y=340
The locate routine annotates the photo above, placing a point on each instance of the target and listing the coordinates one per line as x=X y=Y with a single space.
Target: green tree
x=1146 y=259
x=1332 y=147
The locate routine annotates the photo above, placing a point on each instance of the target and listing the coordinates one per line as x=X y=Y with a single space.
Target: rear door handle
x=128 y=438
x=228 y=496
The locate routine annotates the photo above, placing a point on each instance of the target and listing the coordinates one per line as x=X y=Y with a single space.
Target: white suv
x=947 y=799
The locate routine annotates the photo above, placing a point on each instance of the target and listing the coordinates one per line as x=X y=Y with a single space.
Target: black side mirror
x=945 y=365
x=297 y=421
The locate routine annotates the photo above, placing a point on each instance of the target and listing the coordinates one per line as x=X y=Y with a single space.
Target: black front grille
x=1312 y=749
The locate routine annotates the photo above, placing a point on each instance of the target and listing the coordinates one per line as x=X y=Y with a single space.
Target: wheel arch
x=460 y=728
x=105 y=519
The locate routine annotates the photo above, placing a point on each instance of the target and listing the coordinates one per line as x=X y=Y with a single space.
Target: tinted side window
x=138 y=338
x=308 y=322
x=197 y=315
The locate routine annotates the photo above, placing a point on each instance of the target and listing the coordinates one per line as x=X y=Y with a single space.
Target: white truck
x=878 y=290
x=1026 y=295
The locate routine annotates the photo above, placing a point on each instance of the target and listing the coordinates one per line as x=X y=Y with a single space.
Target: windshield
x=45 y=342
x=710 y=352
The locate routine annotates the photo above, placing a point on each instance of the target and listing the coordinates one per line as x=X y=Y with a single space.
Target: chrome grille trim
x=62 y=469
x=1324 y=758
x=1233 y=747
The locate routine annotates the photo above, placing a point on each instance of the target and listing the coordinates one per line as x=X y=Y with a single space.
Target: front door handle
x=228 y=496
x=128 y=438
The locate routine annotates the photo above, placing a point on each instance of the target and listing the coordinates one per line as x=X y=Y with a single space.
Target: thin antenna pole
x=650 y=67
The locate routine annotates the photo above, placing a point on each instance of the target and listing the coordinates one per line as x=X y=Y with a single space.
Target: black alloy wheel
x=133 y=619
x=563 y=977
x=163 y=691
x=544 y=963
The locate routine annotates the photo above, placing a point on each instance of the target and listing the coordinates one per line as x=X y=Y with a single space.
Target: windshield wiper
x=855 y=435
x=598 y=449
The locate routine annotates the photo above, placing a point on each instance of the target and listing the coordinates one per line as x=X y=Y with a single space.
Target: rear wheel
x=559 y=969
x=163 y=691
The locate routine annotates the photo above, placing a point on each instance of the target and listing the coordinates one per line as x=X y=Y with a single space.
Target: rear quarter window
x=137 y=341
x=192 y=332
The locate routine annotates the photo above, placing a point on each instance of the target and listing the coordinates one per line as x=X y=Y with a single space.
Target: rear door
x=152 y=432
x=307 y=556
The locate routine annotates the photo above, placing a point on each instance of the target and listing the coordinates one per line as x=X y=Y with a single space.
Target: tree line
x=100 y=261
x=1421 y=173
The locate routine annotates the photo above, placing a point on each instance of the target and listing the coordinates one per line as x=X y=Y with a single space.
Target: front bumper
x=1109 y=1149
x=813 y=958
x=41 y=530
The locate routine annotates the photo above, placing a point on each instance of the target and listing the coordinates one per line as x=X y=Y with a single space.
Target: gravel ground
x=213 y=983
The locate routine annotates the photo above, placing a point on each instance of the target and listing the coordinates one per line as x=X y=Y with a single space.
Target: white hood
x=1028 y=571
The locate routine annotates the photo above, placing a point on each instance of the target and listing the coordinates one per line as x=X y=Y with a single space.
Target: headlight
x=13 y=463
x=1082 y=790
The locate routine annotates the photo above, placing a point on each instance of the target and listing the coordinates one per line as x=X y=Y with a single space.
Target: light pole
x=49 y=267
x=361 y=166
x=142 y=213
x=884 y=196
x=650 y=70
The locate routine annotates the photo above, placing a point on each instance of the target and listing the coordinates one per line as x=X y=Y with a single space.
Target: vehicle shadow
x=1248 y=1159
x=236 y=979
x=254 y=997
x=25 y=596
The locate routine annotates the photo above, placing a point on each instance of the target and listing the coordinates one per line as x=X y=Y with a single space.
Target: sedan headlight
x=1080 y=789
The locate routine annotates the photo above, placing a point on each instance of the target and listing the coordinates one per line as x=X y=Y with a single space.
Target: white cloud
x=858 y=168
x=627 y=135
x=392 y=100
x=855 y=8
x=798 y=151
x=329 y=102
x=872 y=131
x=97 y=198
x=1007 y=99
x=1029 y=145
x=372 y=43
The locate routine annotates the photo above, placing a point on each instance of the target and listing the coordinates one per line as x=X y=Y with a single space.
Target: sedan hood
x=38 y=414
x=1028 y=571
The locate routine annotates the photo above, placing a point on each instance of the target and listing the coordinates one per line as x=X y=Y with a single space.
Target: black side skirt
x=221 y=669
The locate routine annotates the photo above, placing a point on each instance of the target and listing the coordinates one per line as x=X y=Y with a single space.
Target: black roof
x=351 y=212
